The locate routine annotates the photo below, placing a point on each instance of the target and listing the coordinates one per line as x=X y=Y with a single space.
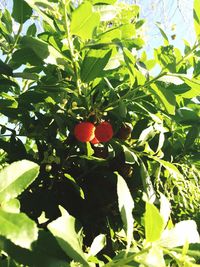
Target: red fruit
x=84 y=131
x=94 y=141
x=104 y=132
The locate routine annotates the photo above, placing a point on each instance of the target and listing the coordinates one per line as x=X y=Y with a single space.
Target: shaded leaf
x=45 y=252
x=191 y=136
x=5 y=69
x=43 y=50
x=21 y=11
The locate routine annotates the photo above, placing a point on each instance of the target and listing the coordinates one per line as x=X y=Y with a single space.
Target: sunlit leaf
x=18 y=228
x=94 y=63
x=15 y=178
x=165 y=208
x=109 y=2
x=153 y=258
x=97 y=245
x=64 y=231
x=166 y=97
x=12 y=206
x=184 y=231
x=166 y=41
x=126 y=206
x=154 y=223
x=107 y=12
x=84 y=21
x=196 y=16
x=34 y=6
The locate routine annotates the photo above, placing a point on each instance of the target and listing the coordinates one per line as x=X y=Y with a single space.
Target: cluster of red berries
x=88 y=132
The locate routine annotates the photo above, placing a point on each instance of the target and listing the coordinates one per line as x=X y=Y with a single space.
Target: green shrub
x=86 y=62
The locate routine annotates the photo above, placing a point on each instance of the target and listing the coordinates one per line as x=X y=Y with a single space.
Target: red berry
x=94 y=141
x=104 y=132
x=84 y=131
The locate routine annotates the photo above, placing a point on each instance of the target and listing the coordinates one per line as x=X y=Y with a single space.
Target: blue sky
x=175 y=15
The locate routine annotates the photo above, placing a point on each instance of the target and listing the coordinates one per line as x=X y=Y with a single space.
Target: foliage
x=104 y=204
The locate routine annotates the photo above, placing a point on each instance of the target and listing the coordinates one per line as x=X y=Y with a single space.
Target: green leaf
x=191 y=136
x=196 y=16
x=194 y=85
x=26 y=55
x=94 y=63
x=130 y=156
x=166 y=97
x=18 y=228
x=147 y=184
x=165 y=208
x=166 y=57
x=44 y=51
x=31 y=31
x=109 y=2
x=26 y=75
x=84 y=21
x=97 y=245
x=184 y=231
x=130 y=60
x=5 y=69
x=12 y=206
x=21 y=11
x=64 y=231
x=7 y=85
x=172 y=169
x=126 y=205
x=75 y=185
x=8 y=103
x=166 y=41
x=153 y=258
x=187 y=116
x=154 y=223
x=15 y=178
x=45 y=252
x=107 y=12
x=33 y=5
x=7 y=20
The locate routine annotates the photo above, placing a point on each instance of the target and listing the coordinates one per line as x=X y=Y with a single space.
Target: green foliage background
x=88 y=64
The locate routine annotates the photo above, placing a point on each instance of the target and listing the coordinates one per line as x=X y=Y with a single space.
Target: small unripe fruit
x=84 y=131
x=104 y=132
